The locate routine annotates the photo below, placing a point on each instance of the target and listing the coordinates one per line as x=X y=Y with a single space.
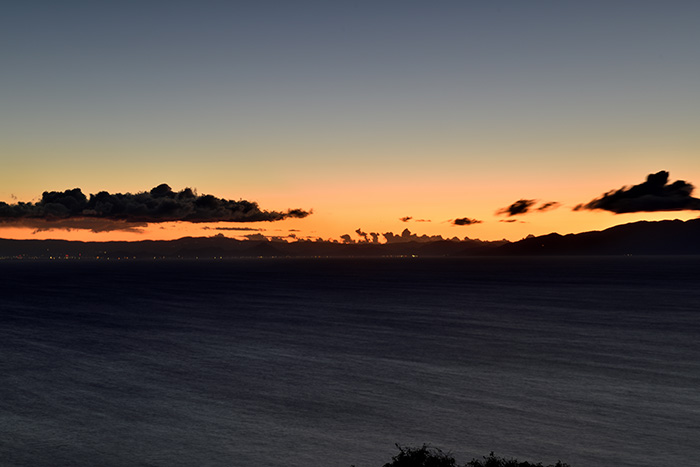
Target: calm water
x=330 y=362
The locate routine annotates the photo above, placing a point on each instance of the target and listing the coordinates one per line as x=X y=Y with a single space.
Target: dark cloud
x=105 y=211
x=465 y=221
x=519 y=207
x=549 y=206
x=511 y=220
x=655 y=194
x=405 y=219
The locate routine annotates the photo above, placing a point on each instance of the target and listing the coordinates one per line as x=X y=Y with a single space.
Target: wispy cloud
x=78 y=223
x=523 y=206
x=409 y=218
x=549 y=206
x=241 y=229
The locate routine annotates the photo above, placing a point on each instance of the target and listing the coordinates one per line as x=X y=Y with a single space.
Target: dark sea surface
x=329 y=362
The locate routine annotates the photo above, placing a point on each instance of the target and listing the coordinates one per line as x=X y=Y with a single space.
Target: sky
x=378 y=116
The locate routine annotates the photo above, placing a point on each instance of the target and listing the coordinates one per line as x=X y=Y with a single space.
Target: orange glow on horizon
x=376 y=203
x=328 y=228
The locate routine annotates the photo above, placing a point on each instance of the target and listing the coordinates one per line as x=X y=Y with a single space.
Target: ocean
x=330 y=362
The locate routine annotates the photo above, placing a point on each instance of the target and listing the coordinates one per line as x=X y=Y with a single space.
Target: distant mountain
x=223 y=247
x=639 y=238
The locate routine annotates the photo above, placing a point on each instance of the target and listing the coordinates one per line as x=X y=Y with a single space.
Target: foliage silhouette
x=429 y=456
x=425 y=456
x=494 y=461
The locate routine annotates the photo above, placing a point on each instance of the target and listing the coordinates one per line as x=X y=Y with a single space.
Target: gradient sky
x=365 y=112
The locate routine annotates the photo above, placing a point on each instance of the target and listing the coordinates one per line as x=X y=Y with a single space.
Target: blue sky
x=339 y=107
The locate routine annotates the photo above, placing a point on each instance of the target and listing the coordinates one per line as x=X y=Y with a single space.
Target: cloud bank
x=407 y=236
x=654 y=194
x=104 y=211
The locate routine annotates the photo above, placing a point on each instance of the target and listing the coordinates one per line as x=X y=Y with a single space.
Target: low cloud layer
x=365 y=237
x=390 y=237
x=654 y=194
x=465 y=221
x=523 y=206
x=407 y=236
x=103 y=211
